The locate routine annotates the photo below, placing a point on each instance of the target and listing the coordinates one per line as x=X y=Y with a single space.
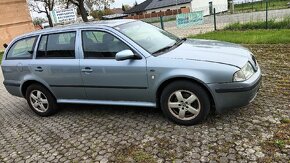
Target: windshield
x=148 y=36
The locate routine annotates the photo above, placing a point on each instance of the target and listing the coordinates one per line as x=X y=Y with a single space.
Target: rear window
x=60 y=45
x=22 y=49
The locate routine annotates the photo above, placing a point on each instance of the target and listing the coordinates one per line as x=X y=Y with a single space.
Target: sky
x=118 y=3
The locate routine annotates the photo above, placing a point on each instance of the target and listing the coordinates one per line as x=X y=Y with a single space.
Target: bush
x=272 y=24
x=97 y=14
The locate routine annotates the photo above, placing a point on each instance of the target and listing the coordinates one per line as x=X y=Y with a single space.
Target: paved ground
x=259 y=132
x=223 y=20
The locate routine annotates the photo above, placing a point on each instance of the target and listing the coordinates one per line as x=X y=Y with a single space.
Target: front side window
x=60 y=45
x=22 y=49
x=101 y=45
x=148 y=36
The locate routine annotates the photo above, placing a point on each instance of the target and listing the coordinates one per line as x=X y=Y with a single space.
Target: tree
x=43 y=6
x=82 y=4
x=106 y=3
x=125 y=7
x=81 y=7
x=38 y=21
x=98 y=14
x=135 y=4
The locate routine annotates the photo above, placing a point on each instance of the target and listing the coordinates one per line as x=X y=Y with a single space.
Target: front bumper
x=235 y=94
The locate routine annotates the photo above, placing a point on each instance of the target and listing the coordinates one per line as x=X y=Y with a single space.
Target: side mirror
x=124 y=55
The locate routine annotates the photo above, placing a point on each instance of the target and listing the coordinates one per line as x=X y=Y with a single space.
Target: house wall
x=203 y=5
x=165 y=11
x=14 y=20
x=176 y=7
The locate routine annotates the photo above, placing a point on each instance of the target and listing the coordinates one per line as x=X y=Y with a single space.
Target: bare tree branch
x=43 y=6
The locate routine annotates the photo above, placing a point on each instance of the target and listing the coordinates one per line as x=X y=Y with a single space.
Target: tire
x=185 y=103
x=40 y=100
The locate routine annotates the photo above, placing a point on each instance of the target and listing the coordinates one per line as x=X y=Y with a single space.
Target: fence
x=158 y=14
x=260 y=11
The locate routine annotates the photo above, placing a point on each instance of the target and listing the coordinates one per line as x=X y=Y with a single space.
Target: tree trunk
x=49 y=20
x=83 y=11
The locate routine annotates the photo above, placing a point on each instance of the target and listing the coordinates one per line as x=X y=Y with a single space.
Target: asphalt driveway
x=122 y=134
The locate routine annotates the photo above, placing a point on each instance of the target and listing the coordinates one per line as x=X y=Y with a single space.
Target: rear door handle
x=87 y=70
x=39 y=69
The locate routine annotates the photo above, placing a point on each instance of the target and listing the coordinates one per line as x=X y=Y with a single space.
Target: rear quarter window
x=22 y=49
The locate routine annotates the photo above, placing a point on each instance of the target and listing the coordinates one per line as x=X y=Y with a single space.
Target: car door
x=104 y=77
x=57 y=64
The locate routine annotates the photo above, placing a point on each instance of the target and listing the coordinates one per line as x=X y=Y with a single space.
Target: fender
x=176 y=74
x=32 y=77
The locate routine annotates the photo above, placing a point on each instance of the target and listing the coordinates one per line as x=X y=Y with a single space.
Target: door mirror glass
x=124 y=54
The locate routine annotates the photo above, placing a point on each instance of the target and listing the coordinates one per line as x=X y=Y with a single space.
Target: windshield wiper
x=163 y=49
x=177 y=43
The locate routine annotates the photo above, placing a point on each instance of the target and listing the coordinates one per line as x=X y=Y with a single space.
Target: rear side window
x=22 y=49
x=60 y=45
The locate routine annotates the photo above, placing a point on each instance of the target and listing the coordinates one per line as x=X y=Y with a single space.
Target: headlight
x=244 y=73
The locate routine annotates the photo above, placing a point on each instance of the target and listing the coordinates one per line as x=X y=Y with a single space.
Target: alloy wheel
x=39 y=101
x=184 y=105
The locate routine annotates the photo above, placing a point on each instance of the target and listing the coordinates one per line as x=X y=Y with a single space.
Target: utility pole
x=252 y=5
x=266 y=14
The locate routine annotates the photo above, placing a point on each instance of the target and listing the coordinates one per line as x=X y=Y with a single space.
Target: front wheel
x=40 y=100
x=185 y=103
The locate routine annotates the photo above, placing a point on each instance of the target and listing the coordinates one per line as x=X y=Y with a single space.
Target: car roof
x=107 y=23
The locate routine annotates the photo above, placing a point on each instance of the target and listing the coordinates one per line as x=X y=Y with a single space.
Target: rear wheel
x=185 y=103
x=40 y=100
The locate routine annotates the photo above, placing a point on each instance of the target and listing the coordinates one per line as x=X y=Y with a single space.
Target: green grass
x=249 y=37
x=280 y=143
x=272 y=24
x=285 y=120
x=1 y=54
x=261 y=6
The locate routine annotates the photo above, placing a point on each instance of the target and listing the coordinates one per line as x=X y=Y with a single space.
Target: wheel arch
x=174 y=79
x=27 y=83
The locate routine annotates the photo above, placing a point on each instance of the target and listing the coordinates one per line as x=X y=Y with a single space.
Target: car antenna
x=5 y=45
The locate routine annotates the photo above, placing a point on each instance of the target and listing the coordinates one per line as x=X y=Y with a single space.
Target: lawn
x=249 y=36
x=1 y=54
x=261 y=6
x=272 y=24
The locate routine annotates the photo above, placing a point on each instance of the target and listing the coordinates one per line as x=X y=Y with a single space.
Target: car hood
x=211 y=51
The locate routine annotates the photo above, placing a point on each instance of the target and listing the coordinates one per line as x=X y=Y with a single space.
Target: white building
x=207 y=6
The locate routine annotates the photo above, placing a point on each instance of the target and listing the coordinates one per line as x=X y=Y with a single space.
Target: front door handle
x=87 y=70
x=39 y=69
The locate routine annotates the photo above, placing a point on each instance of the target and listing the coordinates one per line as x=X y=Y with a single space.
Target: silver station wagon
x=132 y=63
